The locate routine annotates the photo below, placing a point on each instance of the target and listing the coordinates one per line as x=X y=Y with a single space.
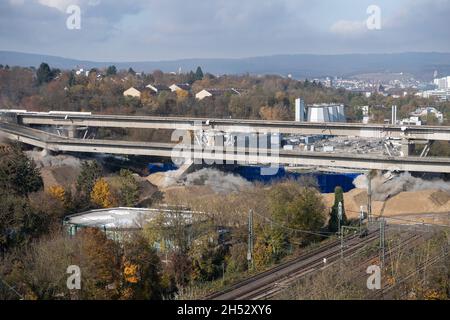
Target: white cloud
x=349 y=28
x=61 y=5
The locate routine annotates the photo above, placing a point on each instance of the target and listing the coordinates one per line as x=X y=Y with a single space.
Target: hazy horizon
x=226 y=58
x=136 y=30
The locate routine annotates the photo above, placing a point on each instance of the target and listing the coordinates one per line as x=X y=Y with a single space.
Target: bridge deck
x=240 y=125
x=220 y=155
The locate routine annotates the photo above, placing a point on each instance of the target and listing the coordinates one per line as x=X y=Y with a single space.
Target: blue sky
x=140 y=30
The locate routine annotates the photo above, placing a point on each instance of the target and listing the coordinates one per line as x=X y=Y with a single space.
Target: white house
x=180 y=87
x=215 y=92
x=157 y=88
x=132 y=92
x=203 y=94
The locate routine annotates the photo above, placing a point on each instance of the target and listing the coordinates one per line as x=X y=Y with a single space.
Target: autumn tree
x=101 y=194
x=207 y=258
x=182 y=95
x=141 y=270
x=38 y=270
x=295 y=208
x=236 y=260
x=179 y=267
x=262 y=253
x=99 y=258
x=58 y=193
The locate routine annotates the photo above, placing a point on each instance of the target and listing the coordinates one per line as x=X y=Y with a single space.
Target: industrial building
x=326 y=113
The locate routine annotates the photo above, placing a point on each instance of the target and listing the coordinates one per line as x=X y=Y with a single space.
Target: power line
x=406 y=220
x=318 y=233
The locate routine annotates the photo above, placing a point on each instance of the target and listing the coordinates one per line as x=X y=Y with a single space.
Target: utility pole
x=382 y=242
x=341 y=233
x=369 y=197
x=361 y=218
x=250 y=240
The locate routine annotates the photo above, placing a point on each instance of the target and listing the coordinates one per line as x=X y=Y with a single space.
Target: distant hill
x=421 y=65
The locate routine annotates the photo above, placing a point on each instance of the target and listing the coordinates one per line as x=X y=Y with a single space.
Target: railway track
x=360 y=270
x=407 y=243
x=271 y=282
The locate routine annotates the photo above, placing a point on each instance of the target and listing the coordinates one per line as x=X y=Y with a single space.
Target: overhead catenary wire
x=406 y=220
x=326 y=234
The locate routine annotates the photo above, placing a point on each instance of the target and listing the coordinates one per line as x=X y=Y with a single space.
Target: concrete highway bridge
x=68 y=119
x=330 y=162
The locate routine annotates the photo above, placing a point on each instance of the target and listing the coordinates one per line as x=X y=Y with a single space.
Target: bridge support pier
x=72 y=132
x=407 y=148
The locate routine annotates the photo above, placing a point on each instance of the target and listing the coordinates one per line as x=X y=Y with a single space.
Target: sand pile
x=163 y=179
x=415 y=202
x=404 y=203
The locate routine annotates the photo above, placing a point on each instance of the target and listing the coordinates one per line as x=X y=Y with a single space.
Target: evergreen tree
x=18 y=174
x=333 y=222
x=72 y=79
x=191 y=77
x=199 y=74
x=129 y=189
x=111 y=71
x=131 y=71
x=44 y=74
x=90 y=173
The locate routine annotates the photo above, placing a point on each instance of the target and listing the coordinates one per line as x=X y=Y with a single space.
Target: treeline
x=101 y=91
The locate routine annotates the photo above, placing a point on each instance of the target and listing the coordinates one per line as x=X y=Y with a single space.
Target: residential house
x=180 y=87
x=132 y=92
x=215 y=93
x=157 y=88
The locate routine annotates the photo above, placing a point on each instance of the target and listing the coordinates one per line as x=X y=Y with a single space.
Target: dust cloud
x=220 y=182
x=43 y=159
x=389 y=185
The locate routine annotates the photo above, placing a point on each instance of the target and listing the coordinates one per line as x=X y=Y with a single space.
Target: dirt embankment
x=402 y=204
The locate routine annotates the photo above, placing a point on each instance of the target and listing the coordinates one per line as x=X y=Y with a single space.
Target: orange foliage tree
x=101 y=194
x=58 y=193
